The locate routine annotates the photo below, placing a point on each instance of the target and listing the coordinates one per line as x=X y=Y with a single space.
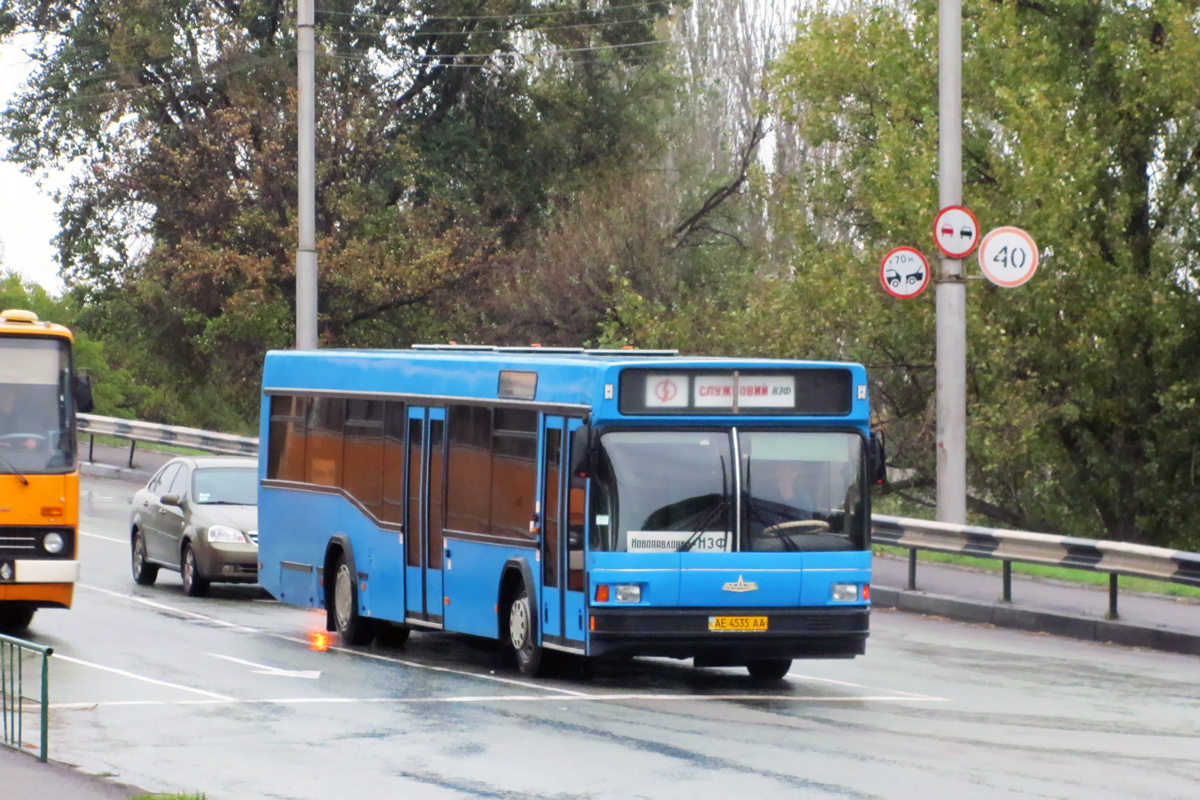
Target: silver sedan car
x=198 y=515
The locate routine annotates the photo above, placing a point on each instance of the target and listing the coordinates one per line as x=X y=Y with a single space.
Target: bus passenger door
x=562 y=516
x=425 y=496
x=550 y=479
x=574 y=516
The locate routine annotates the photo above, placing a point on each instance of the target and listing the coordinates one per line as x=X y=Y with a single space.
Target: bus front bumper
x=38 y=583
x=838 y=632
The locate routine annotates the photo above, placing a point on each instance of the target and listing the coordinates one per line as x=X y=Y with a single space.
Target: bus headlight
x=845 y=592
x=220 y=533
x=53 y=543
x=629 y=593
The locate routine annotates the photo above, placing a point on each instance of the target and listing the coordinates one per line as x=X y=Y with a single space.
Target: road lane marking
x=450 y=670
x=105 y=538
x=517 y=698
x=359 y=653
x=263 y=669
x=914 y=695
x=136 y=677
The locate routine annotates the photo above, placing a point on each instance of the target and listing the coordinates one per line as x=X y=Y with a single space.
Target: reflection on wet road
x=224 y=695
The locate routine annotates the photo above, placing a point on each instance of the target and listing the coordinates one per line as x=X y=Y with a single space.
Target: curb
x=1003 y=615
x=94 y=470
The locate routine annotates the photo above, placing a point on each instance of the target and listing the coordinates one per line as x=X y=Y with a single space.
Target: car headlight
x=221 y=533
x=53 y=542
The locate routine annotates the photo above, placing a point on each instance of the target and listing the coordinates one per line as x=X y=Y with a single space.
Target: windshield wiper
x=767 y=526
x=719 y=508
x=24 y=481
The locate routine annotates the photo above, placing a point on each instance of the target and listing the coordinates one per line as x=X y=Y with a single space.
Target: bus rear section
x=39 y=478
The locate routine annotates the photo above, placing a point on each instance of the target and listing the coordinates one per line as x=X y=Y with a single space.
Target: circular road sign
x=956 y=231
x=1008 y=257
x=904 y=272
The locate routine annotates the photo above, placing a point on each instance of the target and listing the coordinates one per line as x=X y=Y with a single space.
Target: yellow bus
x=39 y=471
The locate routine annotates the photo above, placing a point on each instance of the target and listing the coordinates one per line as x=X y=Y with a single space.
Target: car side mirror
x=170 y=500
x=83 y=394
x=877 y=458
x=582 y=452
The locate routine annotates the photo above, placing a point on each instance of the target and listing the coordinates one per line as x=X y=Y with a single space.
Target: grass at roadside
x=1042 y=571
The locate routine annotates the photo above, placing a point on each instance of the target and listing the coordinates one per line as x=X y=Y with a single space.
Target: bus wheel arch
x=518 y=616
x=340 y=587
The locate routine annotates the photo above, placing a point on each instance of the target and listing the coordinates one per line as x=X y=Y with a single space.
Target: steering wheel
x=23 y=441
x=812 y=525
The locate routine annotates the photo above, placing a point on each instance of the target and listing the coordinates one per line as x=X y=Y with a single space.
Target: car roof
x=210 y=462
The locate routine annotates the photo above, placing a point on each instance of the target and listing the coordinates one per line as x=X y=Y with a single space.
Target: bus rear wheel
x=522 y=634
x=352 y=628
x=768 y=669
x=16 y=619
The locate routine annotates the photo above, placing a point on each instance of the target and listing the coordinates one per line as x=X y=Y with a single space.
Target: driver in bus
x=786 y=488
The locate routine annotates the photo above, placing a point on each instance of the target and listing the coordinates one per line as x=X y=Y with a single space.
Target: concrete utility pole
x=306 y=252
x=951 y=284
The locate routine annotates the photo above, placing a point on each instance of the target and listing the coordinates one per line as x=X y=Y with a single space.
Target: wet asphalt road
x=223 y=695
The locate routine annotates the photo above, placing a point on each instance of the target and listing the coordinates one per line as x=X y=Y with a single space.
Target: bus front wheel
x=522 y=635
x=352 y=628
x=769 y=669
x=16 y=619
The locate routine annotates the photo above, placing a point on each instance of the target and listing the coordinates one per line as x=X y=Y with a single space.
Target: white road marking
x=263 y=669
x=359 y=653
x=136 y=677
x=914 y=695
x=514 y=698
x=105 y=538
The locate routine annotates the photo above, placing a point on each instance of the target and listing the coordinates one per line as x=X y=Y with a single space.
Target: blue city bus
x=594 y=502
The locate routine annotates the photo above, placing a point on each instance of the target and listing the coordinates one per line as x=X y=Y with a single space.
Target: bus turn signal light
x=52 y=511
x=602 y=593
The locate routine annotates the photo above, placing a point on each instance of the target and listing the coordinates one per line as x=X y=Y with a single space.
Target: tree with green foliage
x=1081 y=126
x=447 y=132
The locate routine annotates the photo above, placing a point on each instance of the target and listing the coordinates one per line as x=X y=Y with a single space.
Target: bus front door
x=425 y=492
x=561 y=504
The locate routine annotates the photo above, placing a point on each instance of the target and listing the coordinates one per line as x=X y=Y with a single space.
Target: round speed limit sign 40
x=1008 y=257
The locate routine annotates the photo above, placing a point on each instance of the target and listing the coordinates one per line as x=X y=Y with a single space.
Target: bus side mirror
x=877 y=455
x=582 y=455
x=83 y=394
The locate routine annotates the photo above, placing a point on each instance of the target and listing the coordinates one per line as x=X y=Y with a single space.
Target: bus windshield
x=660 y=491
x=36 y=423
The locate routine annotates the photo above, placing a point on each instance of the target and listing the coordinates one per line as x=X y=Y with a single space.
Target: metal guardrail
x=136 y=431
x=1113 y=558
x=13 y=655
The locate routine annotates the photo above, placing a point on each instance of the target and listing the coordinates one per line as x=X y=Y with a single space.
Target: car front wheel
x=193 y=584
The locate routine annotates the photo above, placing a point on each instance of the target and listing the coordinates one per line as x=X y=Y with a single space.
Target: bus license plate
x=737 y=623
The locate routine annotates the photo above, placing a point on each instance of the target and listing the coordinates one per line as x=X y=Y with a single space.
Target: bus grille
x=25 y=542
x=17 y=546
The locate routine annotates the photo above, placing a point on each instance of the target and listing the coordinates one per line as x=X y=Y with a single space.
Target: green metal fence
x=19 y=659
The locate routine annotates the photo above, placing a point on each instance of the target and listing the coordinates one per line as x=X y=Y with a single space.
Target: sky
x=27 y=213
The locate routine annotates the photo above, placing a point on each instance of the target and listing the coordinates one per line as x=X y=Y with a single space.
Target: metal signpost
x=951 y=284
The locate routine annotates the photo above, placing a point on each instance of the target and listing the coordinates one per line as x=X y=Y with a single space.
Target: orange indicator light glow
x=602 y=593
x=318 y=640
x=591 y=623
x=52 y=511
x=866 y=591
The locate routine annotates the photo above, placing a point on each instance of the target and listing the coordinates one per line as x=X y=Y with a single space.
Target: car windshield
x=36 y=407
x=665 y=491
x=230 y=487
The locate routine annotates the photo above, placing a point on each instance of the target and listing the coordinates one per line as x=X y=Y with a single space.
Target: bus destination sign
x=813 y=391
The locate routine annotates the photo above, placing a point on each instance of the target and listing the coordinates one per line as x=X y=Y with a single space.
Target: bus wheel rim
x=518 y=624
x=341 y=596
